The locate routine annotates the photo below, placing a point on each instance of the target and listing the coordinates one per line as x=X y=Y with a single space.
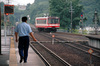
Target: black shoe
x=25 y=61
x=21 y=60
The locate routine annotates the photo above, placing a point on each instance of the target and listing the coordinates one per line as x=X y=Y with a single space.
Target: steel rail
x=94 y=54
x=55 y=55
x=44 y=60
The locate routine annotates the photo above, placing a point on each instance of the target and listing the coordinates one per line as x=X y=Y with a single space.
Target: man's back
x=23 y=29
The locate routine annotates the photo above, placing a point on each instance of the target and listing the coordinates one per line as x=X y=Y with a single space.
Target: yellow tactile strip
x=12 y=57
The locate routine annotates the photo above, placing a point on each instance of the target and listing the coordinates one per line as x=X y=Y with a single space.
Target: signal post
x=90 y=51
x=53 y=39
x=8 y=9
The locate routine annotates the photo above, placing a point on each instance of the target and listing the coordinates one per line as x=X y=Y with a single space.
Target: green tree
x=37 y=9
x=2 y=19
x=61 y=9
x=12 y=20
x=2 y=7
x=2 y=13
x=89 y=9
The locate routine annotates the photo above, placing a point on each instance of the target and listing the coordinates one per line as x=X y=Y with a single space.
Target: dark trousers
x=23 y=47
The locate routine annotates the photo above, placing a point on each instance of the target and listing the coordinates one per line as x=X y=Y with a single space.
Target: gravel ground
x=70 y=54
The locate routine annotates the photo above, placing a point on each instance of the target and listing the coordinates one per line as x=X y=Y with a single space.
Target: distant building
x=90 y=30
x=21 y=7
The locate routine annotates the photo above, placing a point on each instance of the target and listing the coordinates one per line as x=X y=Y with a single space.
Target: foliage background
x=58 y=8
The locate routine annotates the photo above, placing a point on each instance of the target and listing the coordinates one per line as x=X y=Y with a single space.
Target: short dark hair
x=24 y=19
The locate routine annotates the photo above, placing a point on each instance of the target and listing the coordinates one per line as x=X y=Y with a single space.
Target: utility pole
x=71 y=15
x=95 y=20
x=5 y=20
x=8 y=1
x=82 y=21
x=5 y=27
x=0 y=30
x=82 y=25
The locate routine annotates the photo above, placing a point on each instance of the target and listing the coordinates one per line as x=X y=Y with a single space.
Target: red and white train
x=47 y=23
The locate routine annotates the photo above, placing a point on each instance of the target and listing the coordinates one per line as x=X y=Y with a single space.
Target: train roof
x=46 y=17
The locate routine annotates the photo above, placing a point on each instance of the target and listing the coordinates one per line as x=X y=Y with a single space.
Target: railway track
x=70 y=51
x=51 y=59
x=72 y=45
x=77 y=45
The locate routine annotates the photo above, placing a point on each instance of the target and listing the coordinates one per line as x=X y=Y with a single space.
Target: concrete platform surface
x=4 y=58
x=33 y=58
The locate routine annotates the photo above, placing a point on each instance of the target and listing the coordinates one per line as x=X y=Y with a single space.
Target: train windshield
x=41 y=21
x=53 y=21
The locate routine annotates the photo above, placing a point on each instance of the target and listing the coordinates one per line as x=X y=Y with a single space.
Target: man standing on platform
x=23 y=30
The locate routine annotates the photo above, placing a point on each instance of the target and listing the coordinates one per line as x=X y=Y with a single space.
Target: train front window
x=41 y=21
x=53 y=21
